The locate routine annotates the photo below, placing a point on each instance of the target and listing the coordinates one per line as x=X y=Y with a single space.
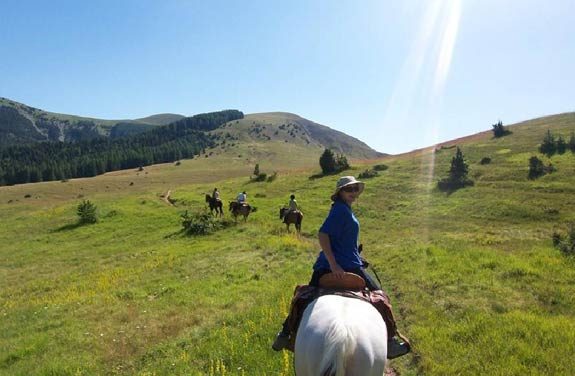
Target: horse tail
x=340 y=344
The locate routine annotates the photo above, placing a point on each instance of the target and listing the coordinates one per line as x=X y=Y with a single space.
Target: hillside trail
x=166 y=198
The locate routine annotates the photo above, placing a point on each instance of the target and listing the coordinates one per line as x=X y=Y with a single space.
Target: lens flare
x=418 y=93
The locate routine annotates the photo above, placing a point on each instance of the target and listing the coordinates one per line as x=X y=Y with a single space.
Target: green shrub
x=380 y=167
x=86 y=212
x=260 y=177
x=485 y=160
x=566 y=244
x=368 y=174
x=202 y=223
x=537 y=168
x=331 y=163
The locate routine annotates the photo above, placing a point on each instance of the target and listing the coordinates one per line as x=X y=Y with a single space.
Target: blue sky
x=397 y=75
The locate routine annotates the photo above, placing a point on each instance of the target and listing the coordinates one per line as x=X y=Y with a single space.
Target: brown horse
x=215 y=205
x=291 y=217
x=240 y=209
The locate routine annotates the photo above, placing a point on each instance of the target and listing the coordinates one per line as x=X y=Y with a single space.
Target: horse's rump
x=340 y=336
x=288 y=216
x=305 y=294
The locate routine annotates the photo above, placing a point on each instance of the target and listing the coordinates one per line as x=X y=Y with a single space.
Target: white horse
x=340 y=336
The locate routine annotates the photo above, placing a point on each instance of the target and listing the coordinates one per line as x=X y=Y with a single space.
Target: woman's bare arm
x=325 y=245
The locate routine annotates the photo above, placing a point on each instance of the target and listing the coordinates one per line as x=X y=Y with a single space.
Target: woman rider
x=338 y=238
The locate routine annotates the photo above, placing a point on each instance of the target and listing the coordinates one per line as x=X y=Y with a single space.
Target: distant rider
x=242 y=198
x=292 y=206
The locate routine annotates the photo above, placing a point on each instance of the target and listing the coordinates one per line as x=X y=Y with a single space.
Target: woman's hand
x=337 y=271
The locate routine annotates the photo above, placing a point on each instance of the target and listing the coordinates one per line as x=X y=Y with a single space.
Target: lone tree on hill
x=457 y=174
x=87 y=212
x=499 y=130
x=327 y=162
x=257 y=169
x=330 y=164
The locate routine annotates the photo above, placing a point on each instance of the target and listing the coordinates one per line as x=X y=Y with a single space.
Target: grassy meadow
x=474 y=279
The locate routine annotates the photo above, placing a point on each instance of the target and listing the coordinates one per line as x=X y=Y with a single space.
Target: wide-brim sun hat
x=344 y=181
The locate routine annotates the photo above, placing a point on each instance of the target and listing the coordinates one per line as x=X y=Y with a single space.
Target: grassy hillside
x=293 y=129
x=474 y=279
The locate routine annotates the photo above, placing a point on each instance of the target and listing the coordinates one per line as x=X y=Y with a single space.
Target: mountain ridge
x=20 y=123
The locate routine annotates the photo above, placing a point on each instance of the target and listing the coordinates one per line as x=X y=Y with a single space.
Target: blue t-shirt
x=343 y=230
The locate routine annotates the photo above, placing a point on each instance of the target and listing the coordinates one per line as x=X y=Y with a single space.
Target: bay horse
x=240 y=209
x=215 y=205
x=292 y=217
x=340 y=335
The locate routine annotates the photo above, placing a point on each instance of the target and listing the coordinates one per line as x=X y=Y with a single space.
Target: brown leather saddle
x=349 y=281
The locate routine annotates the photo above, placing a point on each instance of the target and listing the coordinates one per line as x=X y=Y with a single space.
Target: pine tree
x=571 y=144
x=548 y=146
x=499 y=130
x=457 y=174
x=35 y=175
x=87 y=212
x=561 y=145
x=341 y=163
x=48 y=173
x=327 y=162
x=257 y=170
x=458 y=170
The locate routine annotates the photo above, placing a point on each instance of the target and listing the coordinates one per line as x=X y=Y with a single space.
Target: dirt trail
x=166 y=198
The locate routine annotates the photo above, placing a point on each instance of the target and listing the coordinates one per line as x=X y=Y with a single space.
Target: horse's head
x=232 y=205
x=208 y=198
x=283 y=212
